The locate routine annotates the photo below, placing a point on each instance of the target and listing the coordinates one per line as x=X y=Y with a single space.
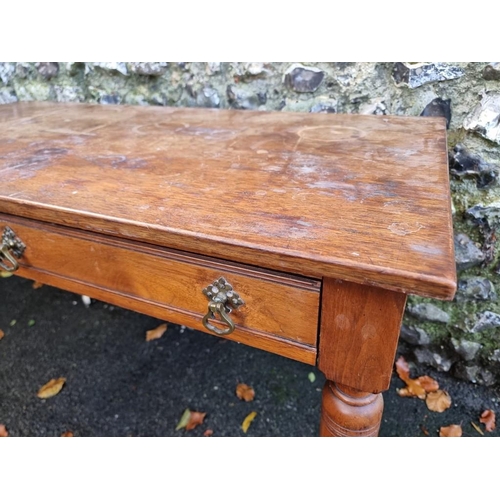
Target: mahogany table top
x=361 y=198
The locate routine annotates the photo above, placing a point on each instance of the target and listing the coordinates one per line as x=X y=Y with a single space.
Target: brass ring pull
x=218 y=307
x=10 y=248
x=223 y=299
x=6 y=256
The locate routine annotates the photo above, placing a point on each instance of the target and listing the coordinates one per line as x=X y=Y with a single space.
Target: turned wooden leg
x=348 y=412
x=359 y=334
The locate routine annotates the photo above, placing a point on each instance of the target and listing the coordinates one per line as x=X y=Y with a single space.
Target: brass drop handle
x=5 y=257
x=10 y=248
x=223 y=299
x=218 y=307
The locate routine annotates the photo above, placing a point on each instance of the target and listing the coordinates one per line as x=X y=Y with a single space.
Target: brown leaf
x=51 y=388
x=413 y=389
x=208 y=433
x=405 y=392
x=156 y=333
x=451 y=431
x=488 y=419
x=244 y=391
x=248 y=420
x=438 y=401
x=2 y=334
x=67 y=434
x=36 y=285
x=190 y=420
x=402 y=369
x=3 y=431
x=428 y=383
x=195 y=419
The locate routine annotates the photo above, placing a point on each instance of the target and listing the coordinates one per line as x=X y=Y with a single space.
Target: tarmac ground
x=117 y=384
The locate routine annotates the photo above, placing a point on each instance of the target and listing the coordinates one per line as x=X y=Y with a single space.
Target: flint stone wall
x=460 y=336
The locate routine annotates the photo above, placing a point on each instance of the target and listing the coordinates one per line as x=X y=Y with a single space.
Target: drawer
x=280 y=311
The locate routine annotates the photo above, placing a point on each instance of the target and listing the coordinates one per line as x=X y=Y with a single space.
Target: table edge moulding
x=298 y=233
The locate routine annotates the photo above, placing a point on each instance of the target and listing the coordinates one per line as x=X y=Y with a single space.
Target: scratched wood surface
x=362 y=198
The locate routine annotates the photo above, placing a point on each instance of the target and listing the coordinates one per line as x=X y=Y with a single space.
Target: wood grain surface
x=349 y=413
x=359 y=334
x=362 y=198
x=280 y=313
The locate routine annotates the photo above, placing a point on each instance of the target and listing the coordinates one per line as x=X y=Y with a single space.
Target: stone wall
x=460 y=336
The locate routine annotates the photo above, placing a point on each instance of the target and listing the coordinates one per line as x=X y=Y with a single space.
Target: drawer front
x=280 y=312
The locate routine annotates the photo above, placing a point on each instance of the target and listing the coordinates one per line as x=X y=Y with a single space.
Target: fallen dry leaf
x=156 y=333
x=244 y=391
x=208 y=433
x=438 y=401
x=36 y=285
x=51 y=388
x=478 y=429
x=405 y=393
x=248 y=420
x=402 y=369
x=195 y=420
x=428 y=383
x=488 y=419
x=67 y=434
x=190 y=420
x=2 y=334
x=418 y=387
x=451 y=431
x=3 y=431
x=5 y=274
x=184 y=419
x=413 y=389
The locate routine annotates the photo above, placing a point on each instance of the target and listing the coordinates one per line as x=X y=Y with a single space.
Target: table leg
x=359 y=334
x=347 y=412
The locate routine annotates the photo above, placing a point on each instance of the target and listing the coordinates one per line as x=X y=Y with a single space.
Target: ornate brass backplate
x=223 y=299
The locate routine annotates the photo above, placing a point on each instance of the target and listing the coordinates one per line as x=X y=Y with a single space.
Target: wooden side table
x=300 y=234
